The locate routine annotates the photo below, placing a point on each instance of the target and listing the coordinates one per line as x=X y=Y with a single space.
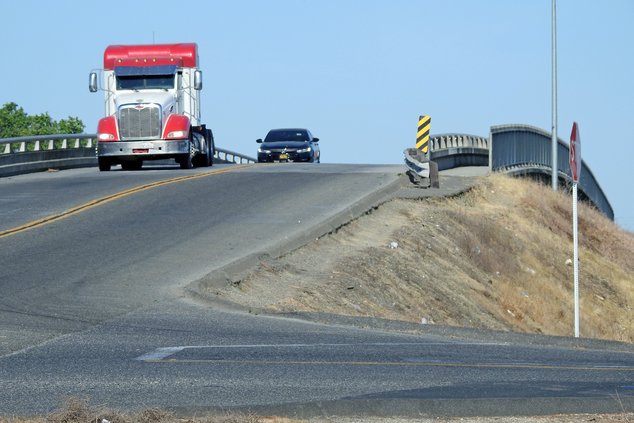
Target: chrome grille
x=140 y=121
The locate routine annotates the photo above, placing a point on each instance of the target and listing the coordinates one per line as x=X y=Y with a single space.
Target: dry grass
x=495 y=257
x=78 y=410
x=519 y=234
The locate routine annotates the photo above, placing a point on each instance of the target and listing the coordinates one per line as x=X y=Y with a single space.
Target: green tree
x=15 y=122
x=72 y=125
x=42 y=124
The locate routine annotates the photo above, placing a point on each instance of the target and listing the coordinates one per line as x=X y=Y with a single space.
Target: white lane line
x=164 y=352
x=159 y=353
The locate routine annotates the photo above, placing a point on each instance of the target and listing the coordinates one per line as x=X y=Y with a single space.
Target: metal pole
x=555 y=172
x=575 y=241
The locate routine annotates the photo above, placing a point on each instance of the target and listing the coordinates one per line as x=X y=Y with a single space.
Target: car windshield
x=145 y=82
x=286 y=135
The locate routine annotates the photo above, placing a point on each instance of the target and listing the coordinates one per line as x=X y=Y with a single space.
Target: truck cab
x=152 y=107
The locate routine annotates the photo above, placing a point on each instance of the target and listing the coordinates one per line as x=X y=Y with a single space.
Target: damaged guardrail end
x=421 y=171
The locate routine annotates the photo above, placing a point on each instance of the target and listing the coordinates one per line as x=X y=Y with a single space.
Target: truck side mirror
x=198 y=80
x=92 y=82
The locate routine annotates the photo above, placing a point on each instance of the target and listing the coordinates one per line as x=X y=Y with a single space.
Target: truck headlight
x=180 y=134
x=107 y=129
x=105 y=137
x=177 y=127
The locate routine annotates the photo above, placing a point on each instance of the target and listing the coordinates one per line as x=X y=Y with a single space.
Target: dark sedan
x=289 y=145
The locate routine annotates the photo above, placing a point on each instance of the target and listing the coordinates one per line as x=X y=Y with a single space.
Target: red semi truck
x=152 y=102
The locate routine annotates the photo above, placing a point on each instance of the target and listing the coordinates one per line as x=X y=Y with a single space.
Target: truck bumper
x=145 y=150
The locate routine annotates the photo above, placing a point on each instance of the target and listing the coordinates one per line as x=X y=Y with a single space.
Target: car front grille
x=140 y=121
x=292 y=155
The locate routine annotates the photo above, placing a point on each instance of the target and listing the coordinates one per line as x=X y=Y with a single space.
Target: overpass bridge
x=519 y=150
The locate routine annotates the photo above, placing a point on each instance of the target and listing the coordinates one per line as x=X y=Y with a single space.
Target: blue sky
x=358 y=73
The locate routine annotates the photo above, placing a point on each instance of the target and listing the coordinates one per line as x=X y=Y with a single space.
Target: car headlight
x=304 y=150
x=264 y=151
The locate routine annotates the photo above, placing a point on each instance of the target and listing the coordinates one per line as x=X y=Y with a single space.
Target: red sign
x=575 y=153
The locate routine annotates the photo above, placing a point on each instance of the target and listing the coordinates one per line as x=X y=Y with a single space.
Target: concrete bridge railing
x=41 y=152
x=456 y=150
x=65 y=151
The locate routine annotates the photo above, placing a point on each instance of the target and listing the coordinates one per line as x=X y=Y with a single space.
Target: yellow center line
x=396 y=363
x=108 y=198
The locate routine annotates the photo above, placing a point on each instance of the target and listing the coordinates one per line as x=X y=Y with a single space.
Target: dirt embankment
x=498 y=257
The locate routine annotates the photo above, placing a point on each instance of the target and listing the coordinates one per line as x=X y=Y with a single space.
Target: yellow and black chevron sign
x=422 y=137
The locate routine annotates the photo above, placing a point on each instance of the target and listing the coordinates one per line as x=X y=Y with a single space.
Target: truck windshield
x=145 y=82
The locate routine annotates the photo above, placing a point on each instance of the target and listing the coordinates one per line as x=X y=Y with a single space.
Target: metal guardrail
x=421 y=171
x=229 y=156
x=63 y=151
x=527 y=150
x=517 y=150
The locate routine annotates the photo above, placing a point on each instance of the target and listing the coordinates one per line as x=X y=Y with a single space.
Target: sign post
x=575 y=171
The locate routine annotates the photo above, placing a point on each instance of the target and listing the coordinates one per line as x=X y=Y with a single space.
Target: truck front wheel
x=104 y=164
x=205 y=141
x=211 y=148
x=132 y=165
x=185 y=160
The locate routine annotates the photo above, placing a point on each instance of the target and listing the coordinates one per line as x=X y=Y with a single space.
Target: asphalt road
x=93 y=304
